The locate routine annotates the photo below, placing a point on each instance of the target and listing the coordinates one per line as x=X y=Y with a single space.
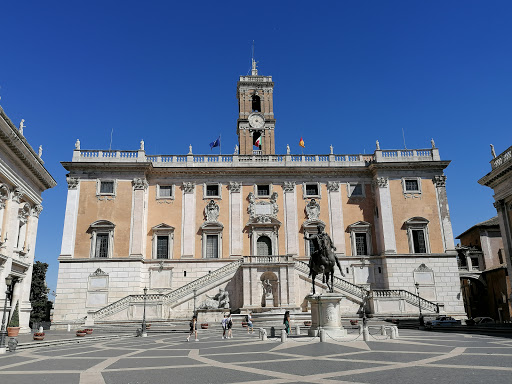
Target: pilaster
x=70 y=219
x=386 y=228
x=138 y=218
x=444 y=213
x=188 y=222
x=290 y=218
x=235 y=219
x=337 y=225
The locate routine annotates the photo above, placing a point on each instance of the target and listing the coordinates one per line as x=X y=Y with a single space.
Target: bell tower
x=255 y=126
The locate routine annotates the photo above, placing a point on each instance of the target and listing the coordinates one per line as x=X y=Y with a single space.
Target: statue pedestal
x=325 y=314
x=211 y=315
x=269 y=301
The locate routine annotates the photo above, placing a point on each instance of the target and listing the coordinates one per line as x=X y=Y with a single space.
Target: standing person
x=249 y=323
x=286 y=322
x=224 y=324
x=193 y=328
x=230 y=325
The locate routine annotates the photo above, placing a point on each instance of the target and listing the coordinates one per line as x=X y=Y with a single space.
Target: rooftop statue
x=323 y=259
x=22 y=126
x=77 y=144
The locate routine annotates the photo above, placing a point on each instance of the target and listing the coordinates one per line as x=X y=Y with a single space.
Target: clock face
x=256 y=121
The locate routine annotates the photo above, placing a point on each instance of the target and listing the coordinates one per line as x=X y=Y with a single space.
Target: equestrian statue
x=323 y=258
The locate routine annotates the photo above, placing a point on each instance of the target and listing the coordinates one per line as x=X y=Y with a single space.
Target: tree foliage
x=15 y=318
x=39 y=293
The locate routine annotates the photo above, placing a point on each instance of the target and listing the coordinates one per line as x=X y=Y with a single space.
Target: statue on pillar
x=493 y=152
x=77 y=144
x=141 y=145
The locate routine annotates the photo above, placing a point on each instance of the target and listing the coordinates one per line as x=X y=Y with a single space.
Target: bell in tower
x=255 y=114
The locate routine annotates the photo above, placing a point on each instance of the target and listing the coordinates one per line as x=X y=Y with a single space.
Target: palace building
x=23 y=178
x=186 y=225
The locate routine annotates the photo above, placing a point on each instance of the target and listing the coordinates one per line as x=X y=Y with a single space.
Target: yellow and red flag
x=301 y=143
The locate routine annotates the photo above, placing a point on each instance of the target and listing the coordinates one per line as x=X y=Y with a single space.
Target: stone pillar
x=337 y=225
x=325 y=314
x=444 y=213
x=24 y=293
x=12 y=222
x=290 y=218
x=386 y=228
x=188 y=222
x=67 y=249
x=235 y=219
x=138 y=218
x=283 y=298
x=246 y=291
x=506 y=235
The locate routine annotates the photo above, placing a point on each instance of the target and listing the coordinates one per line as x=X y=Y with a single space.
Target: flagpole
x=220 y=145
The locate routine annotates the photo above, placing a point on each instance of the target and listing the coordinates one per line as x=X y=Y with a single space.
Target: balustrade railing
x=502 y=158
x=410 y=297
x=268 y=259
x=257 y=158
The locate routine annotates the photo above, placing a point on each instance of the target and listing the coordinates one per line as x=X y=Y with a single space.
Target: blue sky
x=346 y=73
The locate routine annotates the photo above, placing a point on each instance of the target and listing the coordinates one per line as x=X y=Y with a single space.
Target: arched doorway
x=264 y=246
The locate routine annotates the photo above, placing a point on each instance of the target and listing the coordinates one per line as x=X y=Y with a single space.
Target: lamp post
x=422 y=322
x=144 y=333
x=3 y=332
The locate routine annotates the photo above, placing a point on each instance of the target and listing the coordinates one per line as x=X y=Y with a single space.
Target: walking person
x=224 y=324
x=286 y=322
x=230 y=325
x=193 y=328
x=249 y=323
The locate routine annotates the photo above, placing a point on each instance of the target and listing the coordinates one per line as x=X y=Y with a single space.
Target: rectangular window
x=107 y=187
x=263 y=190
x=411 y=185
x=102 y=245
x=418 y=239
x=312 y=248
x=212 y=246
x=212 y=190
x=356 y=190
x=162 y=247
x=165 y=191
x=361 y=246
x=312 y=189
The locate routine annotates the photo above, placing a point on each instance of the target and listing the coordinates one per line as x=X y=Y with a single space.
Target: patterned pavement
x=417 y=357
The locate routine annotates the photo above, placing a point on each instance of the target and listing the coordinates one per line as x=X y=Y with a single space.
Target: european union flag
x=215 y=143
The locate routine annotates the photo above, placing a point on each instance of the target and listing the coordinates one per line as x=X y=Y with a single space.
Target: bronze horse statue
x=323 y=260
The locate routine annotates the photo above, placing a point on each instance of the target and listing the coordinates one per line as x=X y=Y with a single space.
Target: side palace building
x=185 y=226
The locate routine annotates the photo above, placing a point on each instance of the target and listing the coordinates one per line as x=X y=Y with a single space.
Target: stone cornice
x=430 y=165
x=495 y=175
x=10 y=135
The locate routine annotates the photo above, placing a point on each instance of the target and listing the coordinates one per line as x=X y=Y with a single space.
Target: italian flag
x=258 y=142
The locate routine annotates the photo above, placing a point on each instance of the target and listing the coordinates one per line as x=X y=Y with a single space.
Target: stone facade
x=236 y=221
x=22 y=180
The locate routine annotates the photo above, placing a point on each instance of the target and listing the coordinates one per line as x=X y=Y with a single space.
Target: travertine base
x=325 y=314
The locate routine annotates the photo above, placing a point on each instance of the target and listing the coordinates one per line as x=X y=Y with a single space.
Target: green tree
x=15 y=318
x=39 y=293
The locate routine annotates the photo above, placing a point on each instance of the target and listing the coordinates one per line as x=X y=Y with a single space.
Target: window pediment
x=101 y=224
x=213 y=226
x=360 y=224
x=417 y=221
x=163 y=227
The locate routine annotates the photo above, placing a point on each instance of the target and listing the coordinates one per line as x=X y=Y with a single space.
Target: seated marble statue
x=220 y=300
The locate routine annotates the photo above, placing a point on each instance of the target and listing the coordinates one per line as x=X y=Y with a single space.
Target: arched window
x=256 y=103
x=264 y=246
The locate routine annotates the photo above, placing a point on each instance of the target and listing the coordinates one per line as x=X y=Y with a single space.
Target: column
x=337 y=225
x=67 y=249
x=235 y=219
x=12 y=221
x=291 y=226
x=386 y=228
x=138 y=218
x=25 y=285
x=506 y=233
x=444 y=213
x=188 y=222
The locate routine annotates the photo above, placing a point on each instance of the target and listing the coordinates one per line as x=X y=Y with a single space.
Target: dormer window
x=256 y=103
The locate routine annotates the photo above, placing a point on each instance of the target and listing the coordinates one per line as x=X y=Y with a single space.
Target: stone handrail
x=189 y=288
x=170 y=297
x=236 y=160
x=502 y=158
x=339 y=283
x=276 y=259
x=410 y=297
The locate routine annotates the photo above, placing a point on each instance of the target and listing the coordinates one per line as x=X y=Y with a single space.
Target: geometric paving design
x=417 y=357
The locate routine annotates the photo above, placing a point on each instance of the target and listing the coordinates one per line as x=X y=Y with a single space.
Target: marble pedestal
x=211 y=315
x=325 y=314
x=269 y=301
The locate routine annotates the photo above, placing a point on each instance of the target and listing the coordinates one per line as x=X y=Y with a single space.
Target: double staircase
x=354 y=292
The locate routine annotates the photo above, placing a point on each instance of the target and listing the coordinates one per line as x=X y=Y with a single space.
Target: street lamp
x=144 y=334
x=422 y=322
x=3 y=332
